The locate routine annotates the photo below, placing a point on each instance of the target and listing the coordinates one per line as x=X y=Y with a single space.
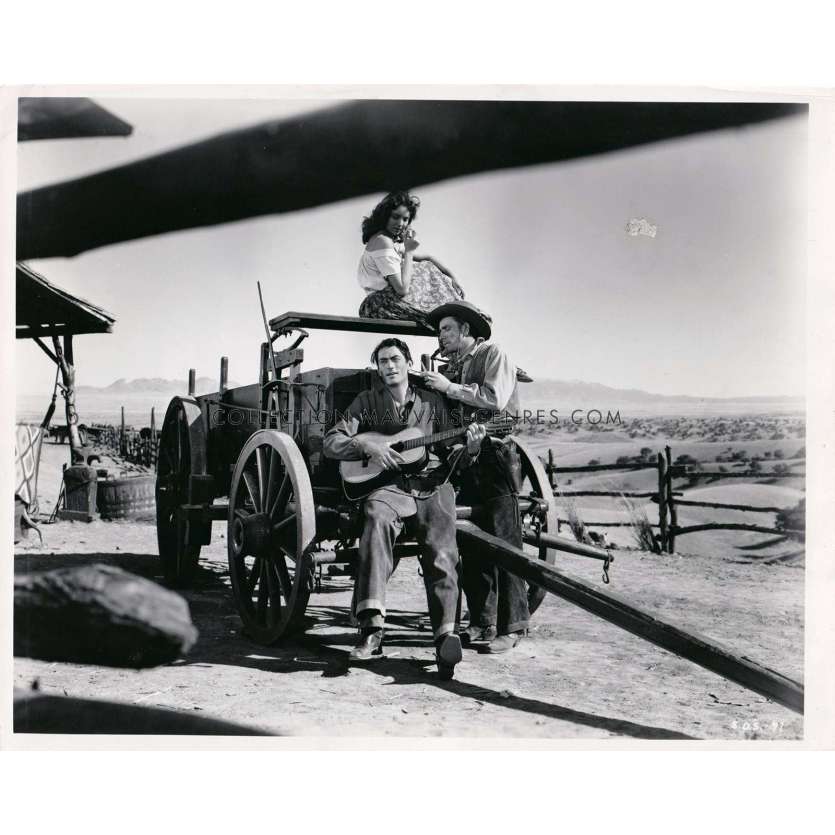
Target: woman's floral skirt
x=428 y=289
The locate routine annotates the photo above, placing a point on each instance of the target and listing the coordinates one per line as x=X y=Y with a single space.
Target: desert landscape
x=575 y=676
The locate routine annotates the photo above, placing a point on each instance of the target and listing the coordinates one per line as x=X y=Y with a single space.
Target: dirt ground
x=575 y=676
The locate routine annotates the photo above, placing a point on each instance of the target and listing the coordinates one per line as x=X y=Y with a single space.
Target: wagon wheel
x=182 y=453
x=535 y=481
x=272 y=523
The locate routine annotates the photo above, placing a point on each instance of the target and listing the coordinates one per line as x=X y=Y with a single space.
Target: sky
x=712 y=306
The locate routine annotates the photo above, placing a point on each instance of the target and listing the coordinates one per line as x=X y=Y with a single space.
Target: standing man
x=481 y=378
x=428 y=496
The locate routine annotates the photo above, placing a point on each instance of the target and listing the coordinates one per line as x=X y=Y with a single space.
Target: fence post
x=551 y=474
x=671 y=536
x=662 y=500
x=152 y=445
x=224 y=374
x=122 y=443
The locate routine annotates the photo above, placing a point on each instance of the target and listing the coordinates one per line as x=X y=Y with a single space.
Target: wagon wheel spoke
x=254 y=574
x=284 y=576
x=281 y=497
x=251 y=489
x=268 y=495
x=261 y=608
x=260 y=465
x=285 y=523
x=274 y=586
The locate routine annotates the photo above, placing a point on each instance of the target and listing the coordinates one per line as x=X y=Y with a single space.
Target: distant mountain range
x=553 y=391
x=152 y=385
x=583 y=392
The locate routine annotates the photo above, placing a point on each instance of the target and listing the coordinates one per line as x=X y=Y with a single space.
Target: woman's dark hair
x=393 y=342
x=378 y=219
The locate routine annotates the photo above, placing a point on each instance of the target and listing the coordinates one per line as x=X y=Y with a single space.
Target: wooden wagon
x=252 y=456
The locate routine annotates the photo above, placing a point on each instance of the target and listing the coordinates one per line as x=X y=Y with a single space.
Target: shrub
x=640 y=526
x=792 y=518
x=575 y=521
x=778 y=453
x=593 y=462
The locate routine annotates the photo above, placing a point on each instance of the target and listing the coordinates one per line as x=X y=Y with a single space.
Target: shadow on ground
x=221 y=641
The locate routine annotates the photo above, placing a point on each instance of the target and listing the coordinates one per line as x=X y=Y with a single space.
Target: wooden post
x=671 y=536
x=662 y=500
x=123 y=444
x=551 y=474
x=192 y=381
x=224 y=374
x=152 y=449
x=64 y=358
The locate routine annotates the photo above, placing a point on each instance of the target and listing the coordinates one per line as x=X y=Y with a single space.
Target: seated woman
x=399 y=284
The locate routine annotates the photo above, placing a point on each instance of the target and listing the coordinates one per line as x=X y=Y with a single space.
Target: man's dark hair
x=393 y=342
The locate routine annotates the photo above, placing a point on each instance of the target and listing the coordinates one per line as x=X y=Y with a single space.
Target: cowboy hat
x=478 y=321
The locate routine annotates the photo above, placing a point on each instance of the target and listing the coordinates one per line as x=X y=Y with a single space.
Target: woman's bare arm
x=400 y=283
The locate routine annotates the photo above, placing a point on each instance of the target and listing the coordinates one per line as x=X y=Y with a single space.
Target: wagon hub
x=252 y=534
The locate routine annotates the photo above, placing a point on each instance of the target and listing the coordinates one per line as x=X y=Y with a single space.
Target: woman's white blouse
x=376 y=264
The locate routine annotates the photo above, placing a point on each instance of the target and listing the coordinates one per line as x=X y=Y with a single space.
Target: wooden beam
x=749 y=474
x=288 y=357
x=597 y=468
x=720 y=506
x=31 y=331
x=530 y=536
x=354 y=324
x=46 y=350
x=662 y=501
x=224 y=375
x=671 y=535
x=616 y=610
x=626 y=494
x=68 y=378
x=733 y=526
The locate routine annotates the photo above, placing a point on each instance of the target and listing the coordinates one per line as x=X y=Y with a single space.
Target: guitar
x=359 y=478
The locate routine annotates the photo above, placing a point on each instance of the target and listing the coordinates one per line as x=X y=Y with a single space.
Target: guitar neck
x=428 y=440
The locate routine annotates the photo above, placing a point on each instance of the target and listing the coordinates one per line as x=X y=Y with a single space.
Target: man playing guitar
x=386 y=409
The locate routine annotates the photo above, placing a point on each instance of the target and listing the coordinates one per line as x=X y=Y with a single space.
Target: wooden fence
x=669 y=500
x=139 y=446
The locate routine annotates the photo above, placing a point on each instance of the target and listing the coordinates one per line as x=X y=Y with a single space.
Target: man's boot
x=447 y=655
x=370 y=647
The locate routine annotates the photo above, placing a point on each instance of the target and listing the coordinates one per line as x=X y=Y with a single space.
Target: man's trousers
x=386 y=511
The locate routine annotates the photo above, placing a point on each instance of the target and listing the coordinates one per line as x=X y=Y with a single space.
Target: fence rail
x=139 y=446
x=669 y=499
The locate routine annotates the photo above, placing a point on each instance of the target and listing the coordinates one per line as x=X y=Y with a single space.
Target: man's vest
x=474 y=373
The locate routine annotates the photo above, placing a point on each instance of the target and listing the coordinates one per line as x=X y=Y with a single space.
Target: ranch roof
x=46 y=310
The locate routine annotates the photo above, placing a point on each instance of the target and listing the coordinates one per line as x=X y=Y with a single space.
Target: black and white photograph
x=474 y=417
